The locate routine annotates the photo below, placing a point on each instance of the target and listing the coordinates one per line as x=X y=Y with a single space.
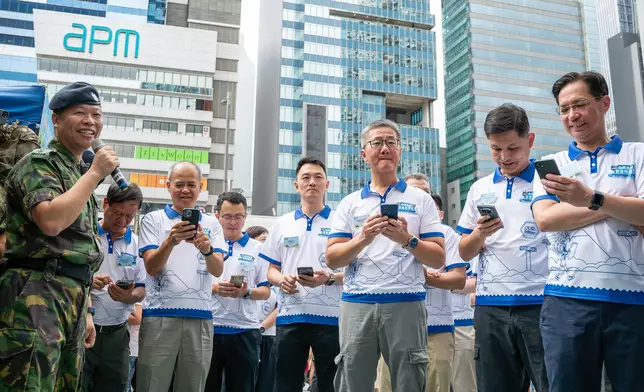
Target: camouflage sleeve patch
x=35 y=180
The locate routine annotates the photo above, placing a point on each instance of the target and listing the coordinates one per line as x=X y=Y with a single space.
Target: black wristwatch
x=212 y=250
x=91 y=310
x=597 y=201
x=262 y=329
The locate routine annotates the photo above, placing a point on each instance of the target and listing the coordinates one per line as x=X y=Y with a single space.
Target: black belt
x=52 y=267
x=109 y=328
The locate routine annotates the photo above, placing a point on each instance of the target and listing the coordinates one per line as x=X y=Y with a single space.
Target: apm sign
x=100 y=35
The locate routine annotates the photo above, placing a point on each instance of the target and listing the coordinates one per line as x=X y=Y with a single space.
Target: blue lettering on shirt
x=407 y=207
x=623 y=171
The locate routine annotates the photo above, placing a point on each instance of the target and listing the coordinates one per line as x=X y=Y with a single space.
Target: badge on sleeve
x=126 y=260
x=291 y=242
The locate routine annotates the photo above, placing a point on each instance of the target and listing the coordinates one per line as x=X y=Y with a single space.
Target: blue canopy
x=24 y=103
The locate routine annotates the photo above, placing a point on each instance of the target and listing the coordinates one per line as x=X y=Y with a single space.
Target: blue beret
x=74 y=94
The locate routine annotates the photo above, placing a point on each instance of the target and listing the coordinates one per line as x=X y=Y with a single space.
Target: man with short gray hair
x=384 y=235
x=180 y=259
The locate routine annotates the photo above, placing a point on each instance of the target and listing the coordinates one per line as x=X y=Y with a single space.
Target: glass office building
x=343 y=65
x=507 y=51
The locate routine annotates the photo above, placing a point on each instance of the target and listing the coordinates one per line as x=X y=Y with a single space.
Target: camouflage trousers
x=42 y=332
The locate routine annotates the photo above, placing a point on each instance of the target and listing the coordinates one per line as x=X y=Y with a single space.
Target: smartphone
x=545 y=167
x=389 y=210
x=237 y=280
x=306 y=271
x=488 y=209
x=124 y=283
x=191 y=215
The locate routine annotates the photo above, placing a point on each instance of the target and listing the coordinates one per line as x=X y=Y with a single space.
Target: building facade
x=506 y=51
x=617 y=16
x=343 y=65
x=158 y=108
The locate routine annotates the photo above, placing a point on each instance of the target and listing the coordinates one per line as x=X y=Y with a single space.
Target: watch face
x=413 y=242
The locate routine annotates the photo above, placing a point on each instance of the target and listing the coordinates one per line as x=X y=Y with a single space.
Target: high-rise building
x=17 y=56
x=222 y=17
x=161 y=104
x=614 y=17
x=343 y=65
x=507 y=51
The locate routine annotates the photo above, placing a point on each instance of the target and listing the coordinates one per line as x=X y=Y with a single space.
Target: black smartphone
x=237 y=280
x=307 y=271
x=124 y=283
x=489 y=210
x=191 y=215
x=389 y=210
x=545 y=167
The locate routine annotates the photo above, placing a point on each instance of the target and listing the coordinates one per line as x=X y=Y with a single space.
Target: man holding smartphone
x=180 y=259
x=107 y=364
x=512 y=260
x=383 y=301
x=234 y=311
x=593 y=311
x=307 y=303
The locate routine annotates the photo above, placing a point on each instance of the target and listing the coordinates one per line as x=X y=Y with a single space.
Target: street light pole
x=227 y=103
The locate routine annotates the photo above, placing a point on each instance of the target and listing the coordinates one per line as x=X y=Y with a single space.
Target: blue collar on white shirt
x=171 y=213
x=401 y=185
x=242 y=241
x=615 y=146
x=325 y=213
x=526 y=174
x=127 y=237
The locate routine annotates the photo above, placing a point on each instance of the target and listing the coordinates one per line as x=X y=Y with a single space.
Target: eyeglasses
x=231 y=217
x=378 y=143
x=579 y=104
x=120 y=214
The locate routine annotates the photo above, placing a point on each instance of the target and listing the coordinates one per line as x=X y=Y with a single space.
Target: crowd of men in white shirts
x=383 y=301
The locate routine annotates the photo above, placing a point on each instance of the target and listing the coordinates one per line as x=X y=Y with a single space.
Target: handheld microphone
x=97 y=144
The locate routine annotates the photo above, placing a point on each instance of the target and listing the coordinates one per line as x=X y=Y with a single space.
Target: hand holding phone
x=485 y=227
x=191 y=215
x=389 y=210
x=489 y=210
x=545 y=167
x=306 y=271
x=237 y=280
x=124 y=283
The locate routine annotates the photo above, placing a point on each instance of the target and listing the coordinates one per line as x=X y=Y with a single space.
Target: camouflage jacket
x=16 y=141
x=40 y=176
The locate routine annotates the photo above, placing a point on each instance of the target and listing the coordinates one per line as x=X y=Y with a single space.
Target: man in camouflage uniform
x=16 y=141
x=52 y=250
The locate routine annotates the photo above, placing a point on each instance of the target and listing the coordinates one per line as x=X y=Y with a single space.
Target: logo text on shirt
x=324 y=232
x=407 y=207
x=526 y=197
x=530 y=230
x=248 y=258
x=623 y=171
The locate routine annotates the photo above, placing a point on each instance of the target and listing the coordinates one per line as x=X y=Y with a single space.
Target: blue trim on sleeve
x=275 y=262
x=219 y=330
x=449 y=267
x=340 y=235
x=146 y=248
x=306 y=319
x=139 y=285
x=178 y=312
x=464 y=323
x=431 y=329
x=508 y=300
x=383 y=298
x=544 y=197
x=595 y=294
x=432 y=234
x=266 y=283
x=463 y=230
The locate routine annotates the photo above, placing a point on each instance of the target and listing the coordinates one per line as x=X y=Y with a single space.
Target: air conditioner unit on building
x=206 y=131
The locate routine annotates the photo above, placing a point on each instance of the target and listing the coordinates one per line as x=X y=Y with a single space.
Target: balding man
x=180 y=259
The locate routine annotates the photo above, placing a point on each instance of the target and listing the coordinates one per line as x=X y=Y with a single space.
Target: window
x=218 y=135
x=226 y=65
x=217 y=161
x=215 y=187
x=220 y=89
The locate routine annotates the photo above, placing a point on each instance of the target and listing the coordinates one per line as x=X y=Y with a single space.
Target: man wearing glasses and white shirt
x=383 y=301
